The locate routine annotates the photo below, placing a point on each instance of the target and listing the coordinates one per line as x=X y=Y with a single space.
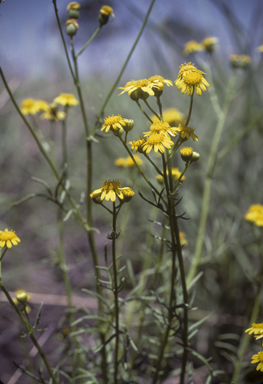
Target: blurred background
x=33 y=60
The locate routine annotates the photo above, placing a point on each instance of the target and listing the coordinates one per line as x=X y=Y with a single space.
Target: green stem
x=89 y=41
x=145 y=114
x=123 y=68
x=115 y=288
x=190 y=110
x=32 y=337
x=208 y=180
x=152 y=110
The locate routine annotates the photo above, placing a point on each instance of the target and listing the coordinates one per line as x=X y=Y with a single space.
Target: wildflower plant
x=141 y=329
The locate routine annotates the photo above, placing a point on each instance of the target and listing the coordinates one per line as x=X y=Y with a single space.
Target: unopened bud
x=73 y=10
x=71 y=27
x=186 y=154
x=105 y=12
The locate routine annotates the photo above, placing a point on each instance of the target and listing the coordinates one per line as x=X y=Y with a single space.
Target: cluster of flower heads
x=255 y=214
x=110 y=190
x=50 y=111
x=257 y=331
x=208 y=44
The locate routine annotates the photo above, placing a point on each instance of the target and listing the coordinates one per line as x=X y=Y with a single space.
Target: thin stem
x=115 y=290
x=190 y=110
x=89 y=41
x=123 y=68
x=145 y=114
x=152 y=110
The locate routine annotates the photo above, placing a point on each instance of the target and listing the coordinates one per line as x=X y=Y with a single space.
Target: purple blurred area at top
x=31 y=47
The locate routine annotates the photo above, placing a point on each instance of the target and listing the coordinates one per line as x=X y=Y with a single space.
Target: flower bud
x=186 y=154
x=127 y=195
x=73 y=10
x=105 y=12
x=195 y=157
x=22 y=297
x=129 y=125
x=95 y=196
x=117 y=132
x=71 y=27
x=240 y=61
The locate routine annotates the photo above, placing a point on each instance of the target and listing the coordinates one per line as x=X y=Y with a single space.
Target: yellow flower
x=113 y=122
x=31 y=106
x=106 y=10
x=258 y=358
x=158 y=142
x=186 y=153
x=160 y=81
x=8 y=238
x=139 y=89
x=110 y=189
x=161 y=127
x=137 y=145
x=22 y=297
x=260 y=49
x=53 y=115
x=176 y=174
x=240 y=61
x=66 y=99
x=255 y=214
x=128 y=194
x=190 y=79
x=73 y=5
x=192 y=46
x=187 y=132
x=173 y=116
x=183 y=240
x=128 y=161
x=210 y=43
x=256 y=329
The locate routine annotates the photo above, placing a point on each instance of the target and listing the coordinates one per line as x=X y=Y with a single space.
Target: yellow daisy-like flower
x=139 y=89
x=186 y=153
x=160 y=81
x=192 y=46
x=31 y=106
x=127 y=162
x=256 y=329
x=255 y=214
x=8 y=238
x=66 y=99
x=161 y=127
x=210 y=43
x=171 y=116
x=258 y=358
x=110 y=189
x=114 y=122
x=158 y=142
x=192 y=81
x=137 y=144
x=128 y=194
x=187 y=132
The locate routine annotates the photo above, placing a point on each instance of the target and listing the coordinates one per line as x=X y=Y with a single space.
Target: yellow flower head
x=256 y=329
x=53 y=113
x=192 y=46
x=210 y=43
x=110 y=189
x=8 y=238
x=128 y=194
x=31 y=106
x=66 y=99
x=255 y=214
x=160 y=81
x=190 y=79
x=158 y=142
x=106 y=10
x=176 y=174
x=127 y=162
x=161 y=127
x=22 y=297
x=173 y=116
x=258 y=358
x=139 y=89
x=187 y=132
x=186 y=153
x=73 y=5
x=183 y=240
x=137 y=145
x=113 y=123
x=240 y=61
